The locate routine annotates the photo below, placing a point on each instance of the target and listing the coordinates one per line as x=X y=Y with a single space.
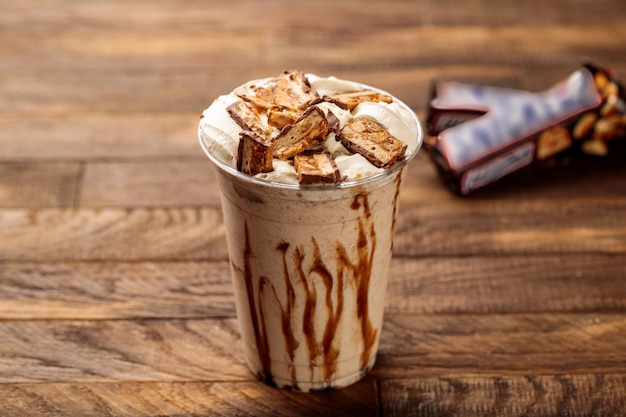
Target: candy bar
x=350 y=100
x=370 y=139
x=308 y=131
x=254 y=154
x=479 y=134
x=290 y=90
x=247 y=118
x=334 y=124
x=316 y=168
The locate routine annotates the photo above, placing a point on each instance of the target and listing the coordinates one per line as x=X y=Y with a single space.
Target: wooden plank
x=531 y=12
x=123 y=290
x=80 y=135
x=113 y=290
x=540 y=76
x=121 y=350
x=137 y=184
x=538 y=227
x=465 y=227
x=401 y=45
x=112 y=234
x=219 y=12
x=157 y=399
x=71 y=88
x=411 y=346
x=39 y=185
x=511 y=284
x=512 y=344
x=506 y=396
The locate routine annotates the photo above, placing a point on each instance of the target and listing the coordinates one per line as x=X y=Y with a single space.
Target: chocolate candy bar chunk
x=348 y=101
x=254 y=154
x=290 y=90
x=372 y=140
x=246 y=117
x=308 y=131
x=333 y=122
x=316 y=168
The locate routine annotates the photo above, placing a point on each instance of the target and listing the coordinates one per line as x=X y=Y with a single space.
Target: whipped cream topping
x=219 y=133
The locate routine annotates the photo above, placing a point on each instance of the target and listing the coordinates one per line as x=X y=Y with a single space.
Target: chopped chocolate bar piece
x=246 y=117
x=308 y=131
x=290 y=90
x=334 y=124
x=373 y=141
x=254 y=154
x=352 y=99
x=316 y=168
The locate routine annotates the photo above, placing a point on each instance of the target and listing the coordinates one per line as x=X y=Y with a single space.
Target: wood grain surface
x=115 y=290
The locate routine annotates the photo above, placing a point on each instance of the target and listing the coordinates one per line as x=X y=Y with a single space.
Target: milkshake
x=310 y=170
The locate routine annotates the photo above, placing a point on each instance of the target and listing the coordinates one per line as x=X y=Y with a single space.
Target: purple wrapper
x=479 y=134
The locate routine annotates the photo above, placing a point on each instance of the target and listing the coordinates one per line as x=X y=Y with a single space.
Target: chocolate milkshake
x=310 y=170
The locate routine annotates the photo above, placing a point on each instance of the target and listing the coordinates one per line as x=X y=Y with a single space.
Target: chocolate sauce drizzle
x=307 y=274
x=396 y=199
x=362 y=271
x=260 y=332
x=286 y=313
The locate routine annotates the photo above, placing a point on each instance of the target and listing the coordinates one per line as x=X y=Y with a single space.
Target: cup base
x=289 y=384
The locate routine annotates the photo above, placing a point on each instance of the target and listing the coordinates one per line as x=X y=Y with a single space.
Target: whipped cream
x=219 y=133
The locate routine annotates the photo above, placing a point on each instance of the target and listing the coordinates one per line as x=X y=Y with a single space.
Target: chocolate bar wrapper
x=479 y=134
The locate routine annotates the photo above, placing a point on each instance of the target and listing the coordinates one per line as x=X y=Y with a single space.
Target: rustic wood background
x=115 y=296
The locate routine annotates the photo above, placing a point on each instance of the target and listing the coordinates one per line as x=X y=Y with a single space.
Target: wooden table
x=115 y=295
